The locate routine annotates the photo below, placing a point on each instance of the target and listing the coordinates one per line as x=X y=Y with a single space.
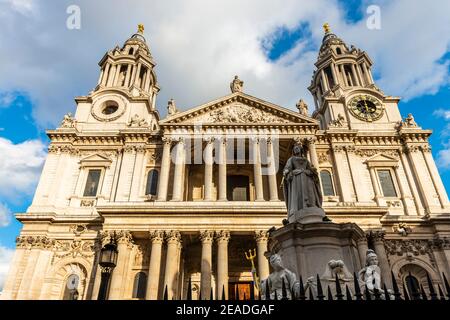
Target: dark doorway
x=237 y=188
x=244 y=289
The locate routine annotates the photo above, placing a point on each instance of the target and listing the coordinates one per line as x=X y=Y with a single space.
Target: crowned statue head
x=371 y=258
x=297 y=150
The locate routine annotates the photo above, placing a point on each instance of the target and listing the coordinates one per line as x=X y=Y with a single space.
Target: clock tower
x=344 y=91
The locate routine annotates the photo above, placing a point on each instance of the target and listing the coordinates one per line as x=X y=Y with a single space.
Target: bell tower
x=125 y=95
x=344 y=91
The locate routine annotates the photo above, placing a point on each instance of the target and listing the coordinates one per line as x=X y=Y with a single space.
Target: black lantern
x=108 y=261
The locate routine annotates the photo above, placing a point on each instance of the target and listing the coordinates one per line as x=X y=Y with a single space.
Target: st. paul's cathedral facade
x=186 y=196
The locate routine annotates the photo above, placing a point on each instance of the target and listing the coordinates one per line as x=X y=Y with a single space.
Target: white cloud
x=20 y=168
x=6 y=255
x=200 y=45
x=5 y=215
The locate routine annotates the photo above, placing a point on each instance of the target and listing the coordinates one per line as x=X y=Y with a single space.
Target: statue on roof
x=171 y=107
x=302 y=107
x=236 y=85
x=68 y=121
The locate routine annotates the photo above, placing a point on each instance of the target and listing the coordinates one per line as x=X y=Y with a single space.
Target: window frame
x=393 y=179
x=135 y=292
x=330 y=171
x=100 y=181
x=144 y=187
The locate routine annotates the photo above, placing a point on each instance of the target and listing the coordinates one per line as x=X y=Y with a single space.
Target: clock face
x=366 y=108
x=72 y=282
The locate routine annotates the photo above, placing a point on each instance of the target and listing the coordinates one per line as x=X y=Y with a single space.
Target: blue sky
x=271 y=46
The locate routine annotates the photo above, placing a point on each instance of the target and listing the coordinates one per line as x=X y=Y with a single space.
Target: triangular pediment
x=381 y=157
x=95 y=160
x=240 y=109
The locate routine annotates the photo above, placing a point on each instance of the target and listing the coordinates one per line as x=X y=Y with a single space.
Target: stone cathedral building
x=185 y=196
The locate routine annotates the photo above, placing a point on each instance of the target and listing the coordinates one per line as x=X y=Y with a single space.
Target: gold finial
x=141 y=28
x=326 y=27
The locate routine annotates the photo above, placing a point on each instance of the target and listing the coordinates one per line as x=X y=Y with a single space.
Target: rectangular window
x=387 y=185
x=90 y=190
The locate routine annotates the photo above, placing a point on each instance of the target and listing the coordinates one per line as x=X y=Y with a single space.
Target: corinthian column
x=208 y=168
x=165 y=170
x=179 y=171
x=173 y=239
x=273 y=166
x=261 y=238
x=223 y=170
x=156 y=238
x=206 y=238
x=124 y=244
x=378 y=244
x=257 y=170
x=222 y=238
x=313 y=152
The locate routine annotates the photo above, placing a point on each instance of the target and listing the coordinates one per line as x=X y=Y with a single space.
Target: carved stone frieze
x=415 y=247
x=241 y=113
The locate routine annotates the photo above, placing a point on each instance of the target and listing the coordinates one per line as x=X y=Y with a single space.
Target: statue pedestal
x=306 y=249
x=308 y=215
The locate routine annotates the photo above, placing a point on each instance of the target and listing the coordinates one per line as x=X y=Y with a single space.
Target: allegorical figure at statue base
x=301 y=189
x=273 y=285
x=370 y=276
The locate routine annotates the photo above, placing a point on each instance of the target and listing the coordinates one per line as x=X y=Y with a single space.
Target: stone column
x=324 y=81
x=361 y=78
x=362 y=251
x=333 y=72
x=154 y=268
x=111 y=75
x=222 y=238
x=105 y=74
x=117 y=75
x=376 y=187
x=313 y=152
x=223 y=170
x=343 y=173
x=344 y=76
x=435 y=177
x=411 y=183
x=402 y=190
x=209 y=163
x=366 y=73
x=261 y=238
x=173 y=239
x=273 y=185
x=206 y=238
x=259 y=193
x=136 y=75
x=355 y=75
x=127 y=76
x=28 y=272
x=119 y=274
x=378 y=243
x=180 y=160
x=165 y=170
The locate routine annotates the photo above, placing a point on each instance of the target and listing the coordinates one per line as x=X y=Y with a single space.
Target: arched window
x=152 y=182
x=327 y=183
x=412 y=284
x=140 y=285
x=131 y=51
x=338 y=51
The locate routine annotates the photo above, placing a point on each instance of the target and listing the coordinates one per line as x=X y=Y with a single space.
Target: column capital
x=377 y=235
x=223 y=236
x=167 y=140
x=156 y=236
x=261 y=235
x=209 y=140
x=206 y=236
x=222 y=140
x=256 y=140
x=179 y=140
x=173 y=236
x=124 y=237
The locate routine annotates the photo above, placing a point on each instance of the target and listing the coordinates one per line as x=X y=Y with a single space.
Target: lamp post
x=108 y=261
